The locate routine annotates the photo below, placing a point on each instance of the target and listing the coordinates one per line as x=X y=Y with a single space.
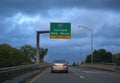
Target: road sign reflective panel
x=60 y=30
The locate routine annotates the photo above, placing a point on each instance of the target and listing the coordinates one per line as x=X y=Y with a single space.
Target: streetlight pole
x=80 y=51
x=91 y=30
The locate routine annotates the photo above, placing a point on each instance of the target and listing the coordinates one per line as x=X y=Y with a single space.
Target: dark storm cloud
x=107 y=36
x=8 y=7
x=108 y=31
x=20 y=19
x=14 y=33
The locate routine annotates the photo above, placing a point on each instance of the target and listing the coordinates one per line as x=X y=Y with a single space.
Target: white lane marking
x=90 y=72
x=81 y=77
x=77 y=74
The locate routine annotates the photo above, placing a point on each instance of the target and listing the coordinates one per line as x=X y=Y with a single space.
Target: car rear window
x=59 y=61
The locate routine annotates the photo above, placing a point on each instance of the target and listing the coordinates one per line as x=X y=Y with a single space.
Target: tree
x=5 y=55
x=100 y=56
x=105 y=56
x=96 y=56
x=88 y=59
x=29 y=51
x=43 y=52
x=116 y=58
x=10 y=56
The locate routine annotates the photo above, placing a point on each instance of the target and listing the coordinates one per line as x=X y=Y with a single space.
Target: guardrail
x=117 y=68
x=10 y=72
x=7 y=69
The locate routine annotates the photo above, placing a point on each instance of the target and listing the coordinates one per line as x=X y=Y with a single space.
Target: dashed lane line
x=81 y=77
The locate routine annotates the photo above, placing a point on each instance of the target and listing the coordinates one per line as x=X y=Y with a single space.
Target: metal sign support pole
x=38 y=44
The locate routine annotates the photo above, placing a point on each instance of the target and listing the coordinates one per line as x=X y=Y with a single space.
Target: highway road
x=78 y=75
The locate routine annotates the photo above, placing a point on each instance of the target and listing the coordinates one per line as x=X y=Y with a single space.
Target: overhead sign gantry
x=57 y=30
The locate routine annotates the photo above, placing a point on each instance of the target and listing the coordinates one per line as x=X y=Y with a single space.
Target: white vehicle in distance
x=59 y=65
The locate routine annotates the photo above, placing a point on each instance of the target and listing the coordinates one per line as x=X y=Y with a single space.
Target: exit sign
x=60 y=30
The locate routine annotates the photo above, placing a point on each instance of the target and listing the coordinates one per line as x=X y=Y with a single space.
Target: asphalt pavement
x=78 y=75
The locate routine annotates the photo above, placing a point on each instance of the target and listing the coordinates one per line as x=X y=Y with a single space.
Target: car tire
x=66 y=71
x=52 y=71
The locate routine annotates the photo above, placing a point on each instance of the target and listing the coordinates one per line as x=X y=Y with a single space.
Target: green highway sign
x=60 y=30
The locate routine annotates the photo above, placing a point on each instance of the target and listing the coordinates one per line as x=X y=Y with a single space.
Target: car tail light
x=65 y=65
x=53 y=64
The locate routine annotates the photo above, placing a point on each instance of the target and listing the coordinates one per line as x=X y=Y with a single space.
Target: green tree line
x=10 y=56
x=116 y=59
x=103 y=56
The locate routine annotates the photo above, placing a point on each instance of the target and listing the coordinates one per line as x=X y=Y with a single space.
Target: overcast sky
x=20 y=19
